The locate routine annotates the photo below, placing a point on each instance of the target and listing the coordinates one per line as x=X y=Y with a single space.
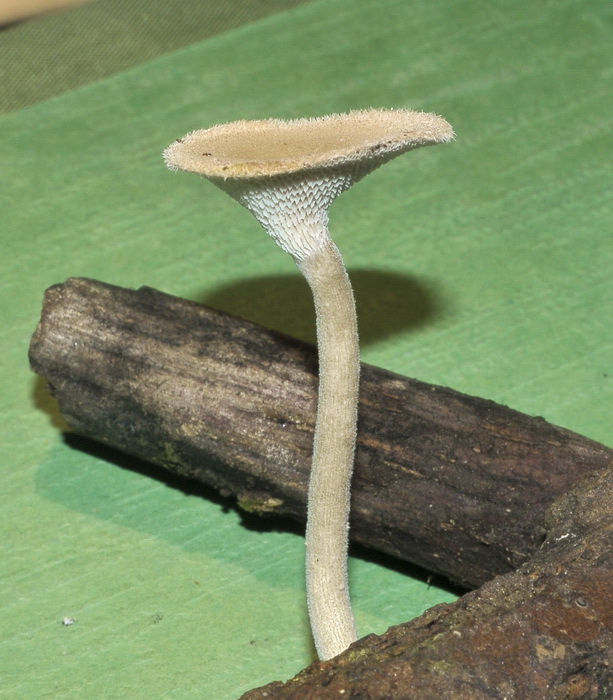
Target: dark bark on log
x=544 y=632
x=456 y=484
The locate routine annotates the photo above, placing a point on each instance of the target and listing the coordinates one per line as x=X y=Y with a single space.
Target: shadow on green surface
x=111 y=485
x=387 y=303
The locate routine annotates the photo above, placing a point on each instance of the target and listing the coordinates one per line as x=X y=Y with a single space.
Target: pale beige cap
x=270 y=147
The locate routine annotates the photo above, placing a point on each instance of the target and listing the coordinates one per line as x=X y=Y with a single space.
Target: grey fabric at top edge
x=48 y=55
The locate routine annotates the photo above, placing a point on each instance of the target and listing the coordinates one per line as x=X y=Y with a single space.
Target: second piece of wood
x=456 y=484
x=543 y=632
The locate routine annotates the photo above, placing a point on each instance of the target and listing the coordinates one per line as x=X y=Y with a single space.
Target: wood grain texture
x=544 y=631
x=456 y=484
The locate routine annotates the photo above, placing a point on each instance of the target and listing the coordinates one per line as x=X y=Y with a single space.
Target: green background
x=484 y=265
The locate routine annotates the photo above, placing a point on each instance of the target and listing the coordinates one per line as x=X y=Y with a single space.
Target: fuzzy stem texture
x=327 y=529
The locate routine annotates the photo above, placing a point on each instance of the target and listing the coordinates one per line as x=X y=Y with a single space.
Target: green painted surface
x=485 y=265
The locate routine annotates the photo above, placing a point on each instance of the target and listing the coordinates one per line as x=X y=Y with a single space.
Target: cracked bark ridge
x=544 y=631
x=456 y=484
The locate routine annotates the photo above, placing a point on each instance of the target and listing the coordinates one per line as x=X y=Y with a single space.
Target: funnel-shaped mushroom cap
x=248 y=149
x=287 y=173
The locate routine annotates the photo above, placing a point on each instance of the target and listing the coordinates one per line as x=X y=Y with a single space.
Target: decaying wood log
x=544 y=632
x=456 y=484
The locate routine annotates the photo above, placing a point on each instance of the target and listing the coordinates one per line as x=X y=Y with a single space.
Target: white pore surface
x=292 y=208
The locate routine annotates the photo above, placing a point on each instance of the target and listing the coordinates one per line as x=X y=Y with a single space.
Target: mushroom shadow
x=387 y=303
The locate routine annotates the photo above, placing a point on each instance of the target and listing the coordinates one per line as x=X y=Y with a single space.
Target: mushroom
x=287 y=173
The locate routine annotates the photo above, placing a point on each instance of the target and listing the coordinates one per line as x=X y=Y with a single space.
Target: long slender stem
x=328 y=600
